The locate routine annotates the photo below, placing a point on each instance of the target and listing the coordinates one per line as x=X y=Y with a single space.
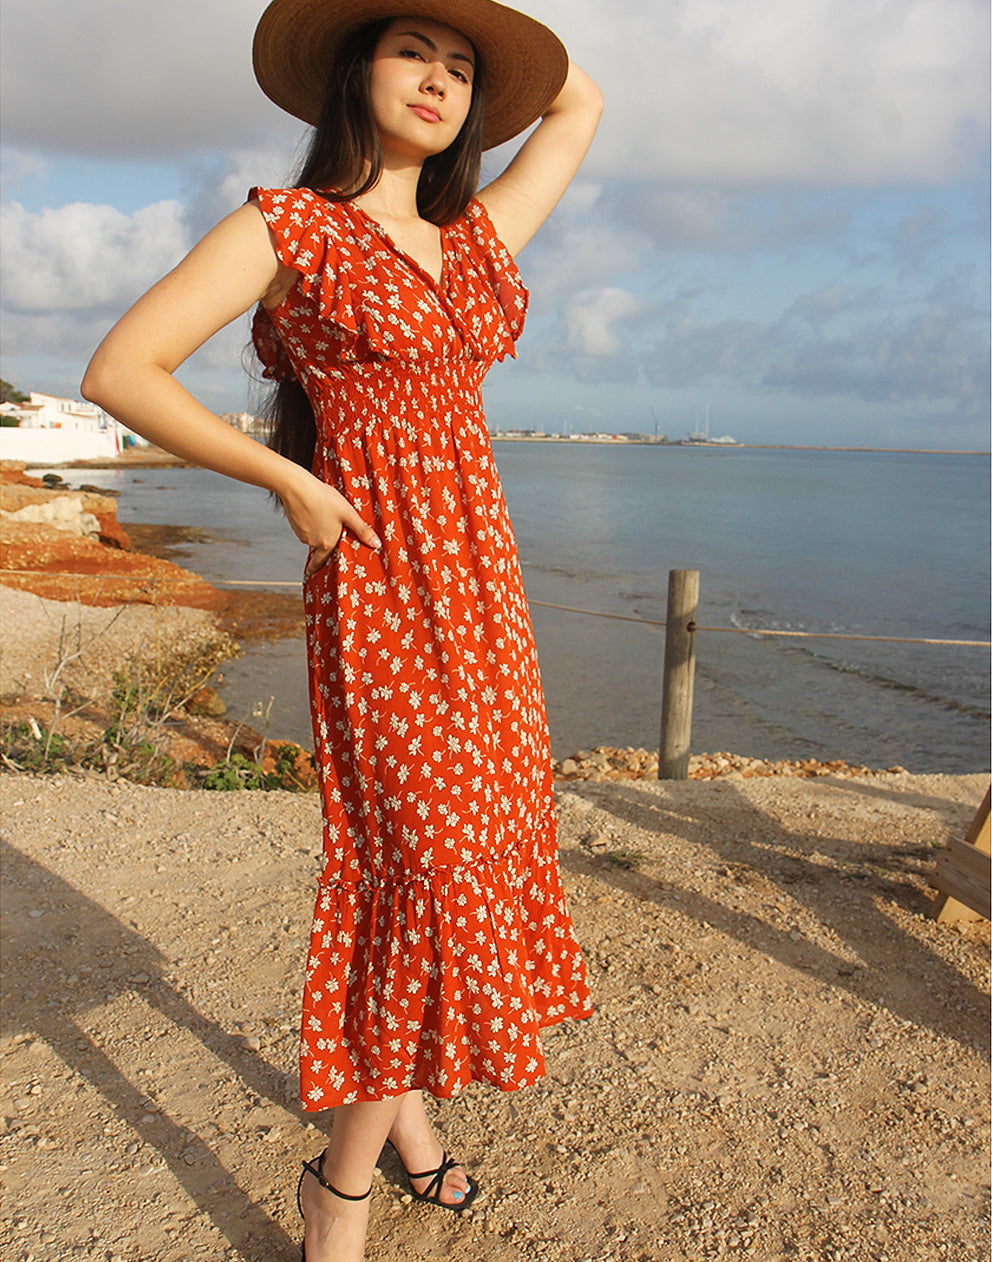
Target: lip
x=426 y=112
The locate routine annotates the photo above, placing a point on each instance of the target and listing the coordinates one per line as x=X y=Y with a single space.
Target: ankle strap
x=313 y=1167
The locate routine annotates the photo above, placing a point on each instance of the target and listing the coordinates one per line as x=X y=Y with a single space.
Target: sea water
x=894 y=545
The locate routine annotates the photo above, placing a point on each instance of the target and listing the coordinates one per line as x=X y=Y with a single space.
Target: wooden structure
x=964 y=872
x=679 y=675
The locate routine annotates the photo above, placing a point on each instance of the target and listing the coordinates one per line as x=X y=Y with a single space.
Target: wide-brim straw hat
x=524 y=63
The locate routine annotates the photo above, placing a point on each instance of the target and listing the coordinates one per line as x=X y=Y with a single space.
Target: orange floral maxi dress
x=441 y=942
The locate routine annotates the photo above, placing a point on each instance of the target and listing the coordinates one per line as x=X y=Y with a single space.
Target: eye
x=460 y=75
x=412 y=53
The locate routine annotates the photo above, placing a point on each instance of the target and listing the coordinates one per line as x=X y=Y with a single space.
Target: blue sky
x=784 y=218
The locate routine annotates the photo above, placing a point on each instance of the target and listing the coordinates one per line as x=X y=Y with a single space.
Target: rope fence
x=680 y=625
x=157 y=580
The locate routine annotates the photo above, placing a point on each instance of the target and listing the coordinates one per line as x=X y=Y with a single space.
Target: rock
x=64 y=512
x=296 y=765
x=569 y=767
x=206 y=701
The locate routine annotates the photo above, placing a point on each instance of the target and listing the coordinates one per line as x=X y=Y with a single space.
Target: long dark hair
x=344 y=141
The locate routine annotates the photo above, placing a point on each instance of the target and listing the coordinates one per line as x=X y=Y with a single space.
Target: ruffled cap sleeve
x=305 y=237
x=501 y=272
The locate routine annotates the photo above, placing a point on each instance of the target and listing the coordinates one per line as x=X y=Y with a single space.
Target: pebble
x=606 y=762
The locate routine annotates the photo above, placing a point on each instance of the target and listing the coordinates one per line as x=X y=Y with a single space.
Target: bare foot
x=419 y=1149
x=334 y=1227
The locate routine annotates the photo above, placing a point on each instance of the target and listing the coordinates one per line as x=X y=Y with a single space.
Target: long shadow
x=919 y=801
x=88 y=933
x=750 y=842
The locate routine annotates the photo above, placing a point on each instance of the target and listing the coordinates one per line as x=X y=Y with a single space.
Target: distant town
x=631 y=436
x=45 y=429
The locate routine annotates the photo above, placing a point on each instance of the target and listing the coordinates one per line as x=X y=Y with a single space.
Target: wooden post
x=680 y=672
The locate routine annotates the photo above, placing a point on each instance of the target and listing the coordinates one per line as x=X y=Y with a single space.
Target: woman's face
x=421 y=86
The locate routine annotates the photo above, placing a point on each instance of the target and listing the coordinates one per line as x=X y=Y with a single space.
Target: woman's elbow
x=89 y=387
x=96 y=386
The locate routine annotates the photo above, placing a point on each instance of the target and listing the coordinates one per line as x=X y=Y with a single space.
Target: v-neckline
x=436 y=281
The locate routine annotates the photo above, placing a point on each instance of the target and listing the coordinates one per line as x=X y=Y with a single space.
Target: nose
x=434 y=78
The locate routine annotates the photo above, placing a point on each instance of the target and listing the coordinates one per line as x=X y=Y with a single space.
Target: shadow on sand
x=751 y=843
x=34 y=954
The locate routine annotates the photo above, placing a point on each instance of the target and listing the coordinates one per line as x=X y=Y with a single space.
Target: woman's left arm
x=519 y=200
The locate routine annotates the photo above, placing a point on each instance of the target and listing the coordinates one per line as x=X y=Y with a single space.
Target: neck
x=394 y=196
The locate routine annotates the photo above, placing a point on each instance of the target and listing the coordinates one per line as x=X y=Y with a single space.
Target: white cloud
x=87 y=257
x=731 y=92
x=114 y=77
x=939 y=355
x=823 y=92
x=592 y=317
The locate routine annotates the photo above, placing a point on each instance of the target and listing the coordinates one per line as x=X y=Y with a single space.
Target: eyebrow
x=433 y=47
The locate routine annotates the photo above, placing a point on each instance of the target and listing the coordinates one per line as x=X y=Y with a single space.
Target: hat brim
x=525 y=63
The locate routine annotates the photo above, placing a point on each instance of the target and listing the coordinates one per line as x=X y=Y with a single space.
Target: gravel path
x=788 y=1058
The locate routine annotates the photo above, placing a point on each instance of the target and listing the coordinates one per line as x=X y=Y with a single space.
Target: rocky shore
x=77 y=585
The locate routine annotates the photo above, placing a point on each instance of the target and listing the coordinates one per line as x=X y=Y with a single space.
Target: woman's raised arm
x=519 y=200
x=130 y=375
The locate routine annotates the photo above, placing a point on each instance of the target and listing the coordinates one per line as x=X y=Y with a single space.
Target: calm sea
x=881 y=544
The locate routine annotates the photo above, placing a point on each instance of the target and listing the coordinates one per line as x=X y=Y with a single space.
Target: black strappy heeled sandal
x=313 y=1167
x=432 y=1193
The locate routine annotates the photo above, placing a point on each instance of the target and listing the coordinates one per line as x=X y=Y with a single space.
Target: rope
x=541 y=604
x=803 y=635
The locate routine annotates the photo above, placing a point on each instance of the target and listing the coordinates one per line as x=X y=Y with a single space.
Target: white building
x=51 y=430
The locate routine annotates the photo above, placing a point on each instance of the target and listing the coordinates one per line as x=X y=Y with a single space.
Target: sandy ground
x=788 y=1058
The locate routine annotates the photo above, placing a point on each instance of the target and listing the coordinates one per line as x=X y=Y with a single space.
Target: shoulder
x=476 y=228
x=291 y=204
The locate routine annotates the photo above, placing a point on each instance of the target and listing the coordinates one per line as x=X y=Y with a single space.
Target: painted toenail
x=459 y=1195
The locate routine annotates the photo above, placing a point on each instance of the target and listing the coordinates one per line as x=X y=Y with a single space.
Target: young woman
x=441 y=943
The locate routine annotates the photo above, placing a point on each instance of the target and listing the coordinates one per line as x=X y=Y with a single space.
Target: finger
x=362 y=531
x=318 y=560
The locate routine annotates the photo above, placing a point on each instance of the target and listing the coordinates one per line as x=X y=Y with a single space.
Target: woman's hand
x=319 y=515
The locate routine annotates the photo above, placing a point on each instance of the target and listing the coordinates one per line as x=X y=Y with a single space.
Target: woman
x=440 y=942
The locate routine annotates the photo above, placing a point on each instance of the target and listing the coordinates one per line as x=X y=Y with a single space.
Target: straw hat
x=525 y=63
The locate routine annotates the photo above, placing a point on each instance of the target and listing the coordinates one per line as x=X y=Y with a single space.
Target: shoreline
x=157 y=459
x=249 y=615
x=620 y=440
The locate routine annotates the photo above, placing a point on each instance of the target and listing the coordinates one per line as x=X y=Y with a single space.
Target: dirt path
x=788 y=1058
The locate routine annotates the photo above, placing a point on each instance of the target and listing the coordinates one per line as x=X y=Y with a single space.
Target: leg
x=419 y=1148
x=335 y=1228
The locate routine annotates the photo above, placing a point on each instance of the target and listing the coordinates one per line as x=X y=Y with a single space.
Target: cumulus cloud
x=730 y=92
x=113 y=78
x=87 y=257
x=833 y=343
x=594 y=319
x=814 y=91
x=937 y=355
